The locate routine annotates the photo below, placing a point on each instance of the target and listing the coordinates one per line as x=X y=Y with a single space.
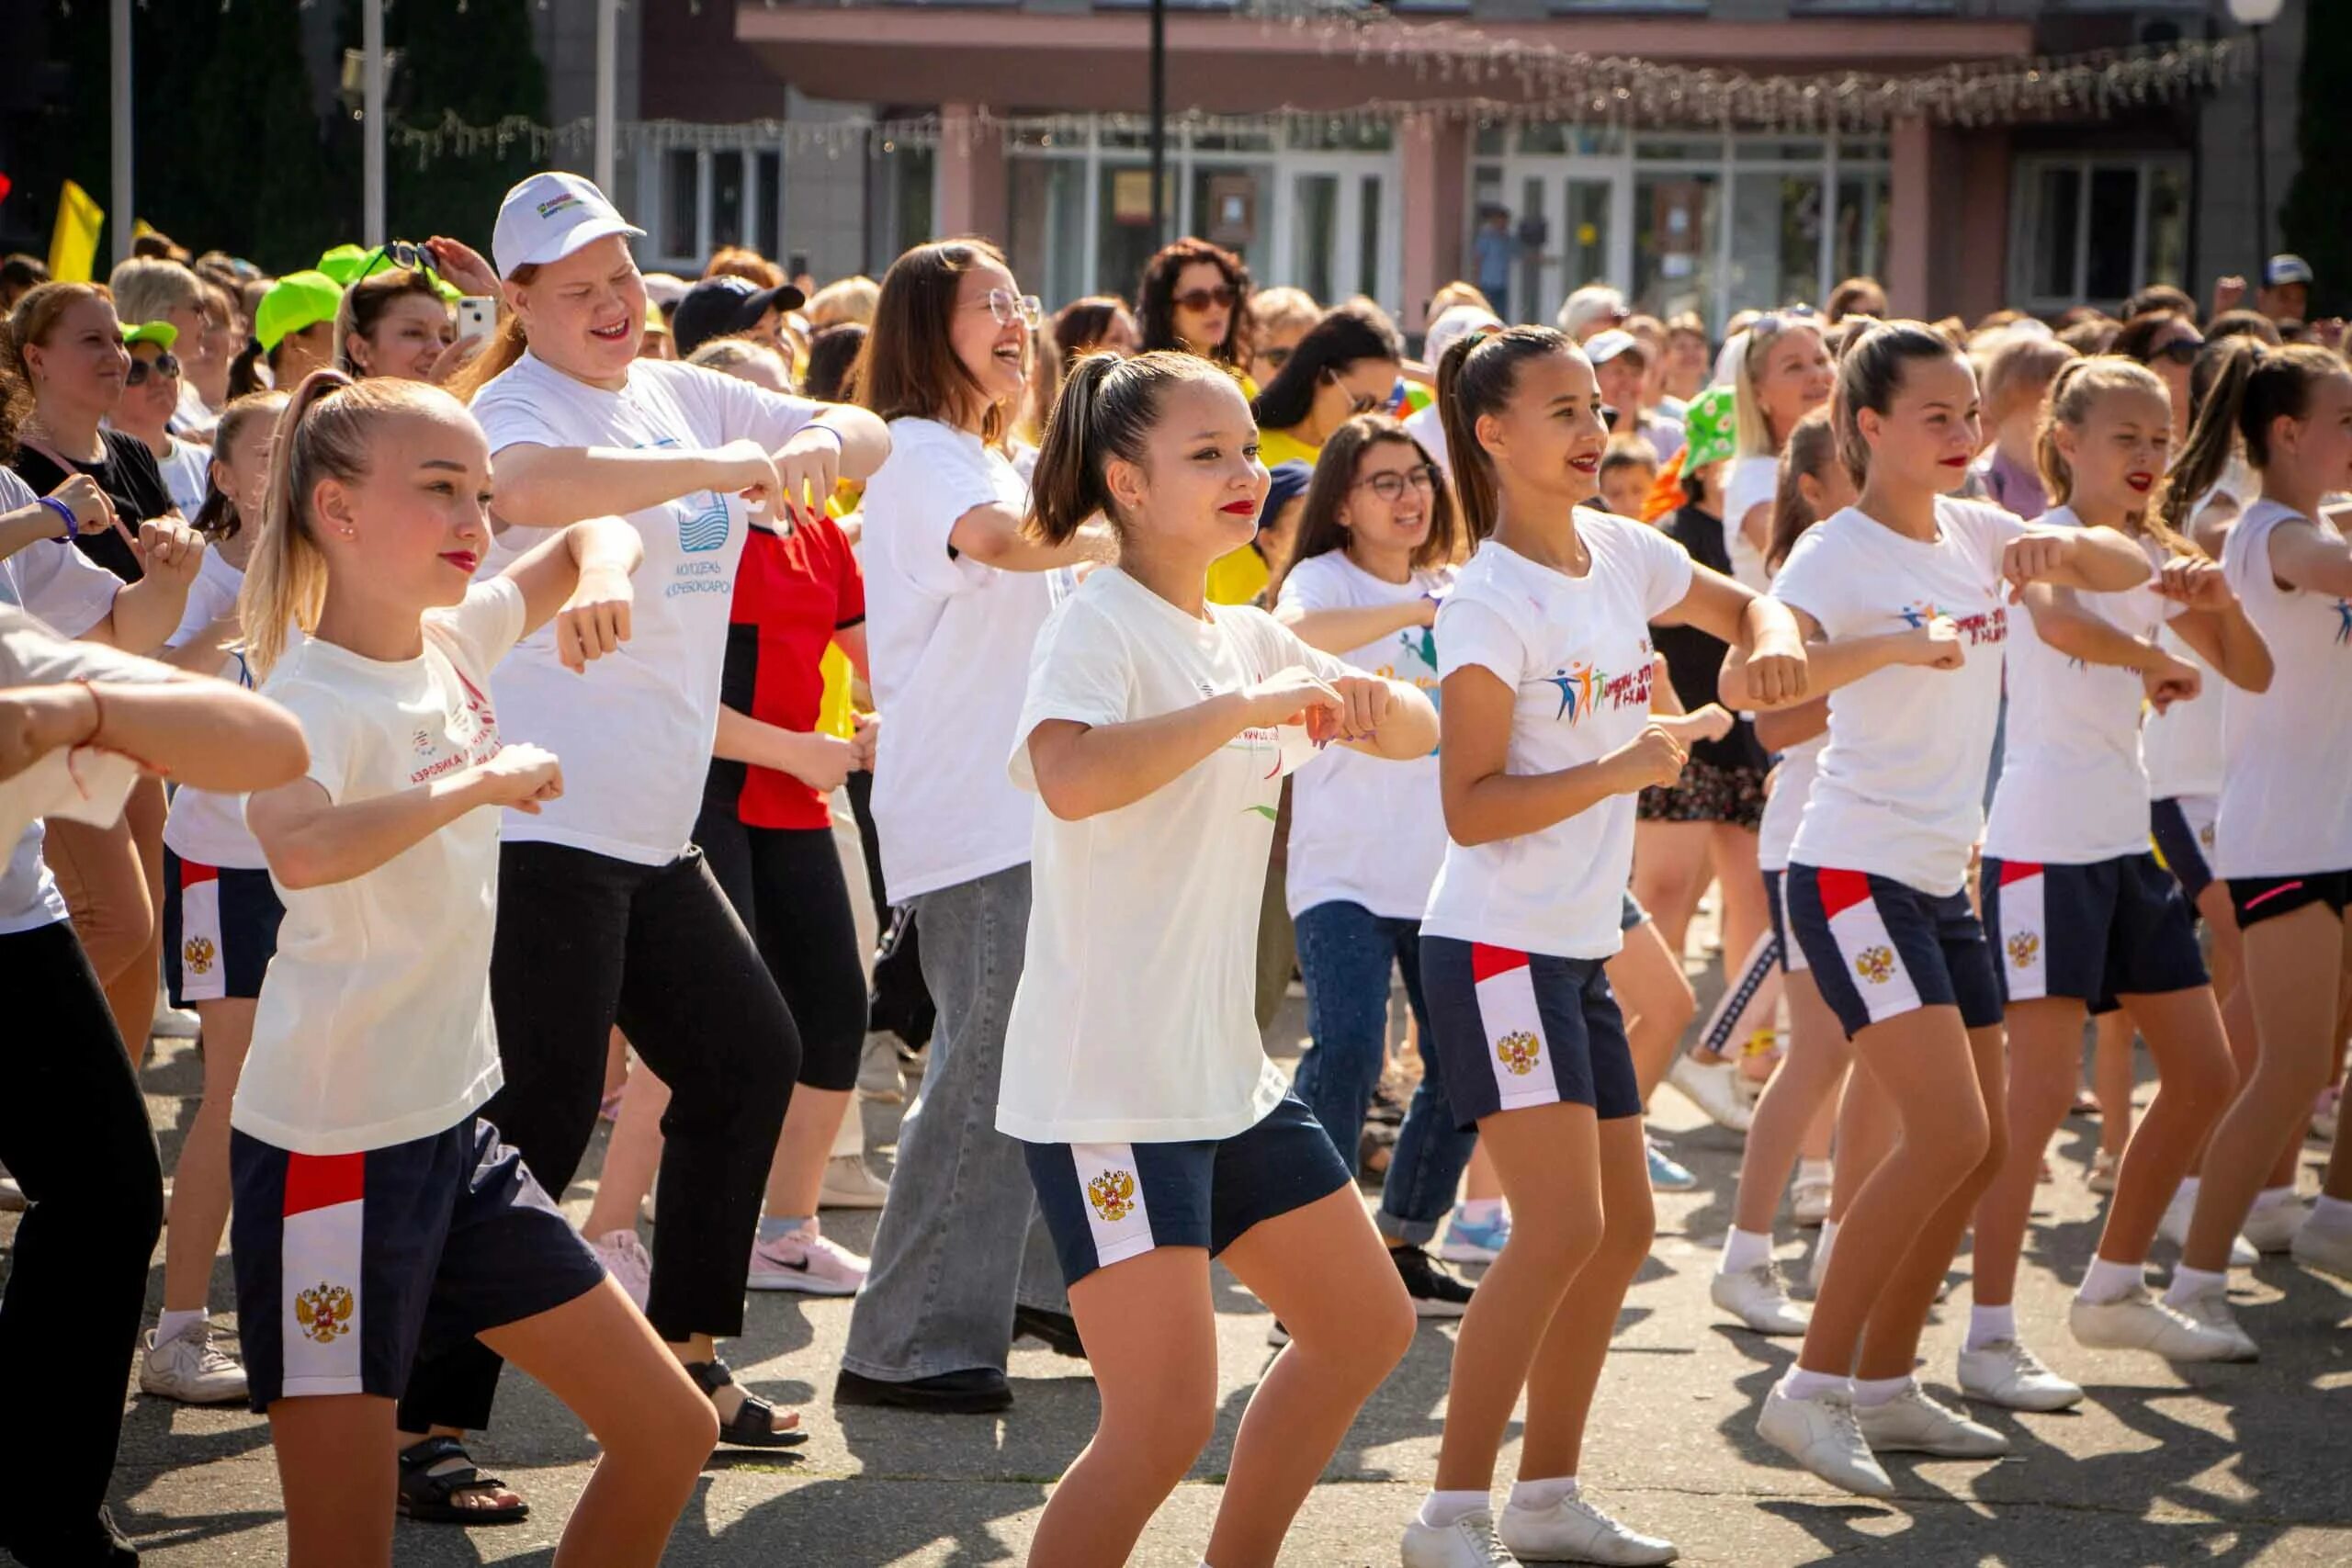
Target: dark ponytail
x=1343 y=337
x=2253 y=386
x=1476 y=377
x=1869 y=373
x=1812 y=449
x=245 y=376
x=1107 y=408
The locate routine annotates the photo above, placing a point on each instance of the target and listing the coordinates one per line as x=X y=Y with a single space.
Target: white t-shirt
x=949 y=642
x=374 y=1025
x=2183 y=746
x=2073 y=790
x=1427 y=425
x=1784 y=807
x=195 y=418
x=2284 y=807
x=636 y=750
x=1135 y=1021
x=1576 y=653
x=1900 y=787
x=1364 y=830
x=187 y=474
x=1748 y=483
x=205 y=827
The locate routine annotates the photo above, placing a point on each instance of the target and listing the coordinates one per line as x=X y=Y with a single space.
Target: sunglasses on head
x=1781 y=320
x=1221 y=297
x=164 y=364
x=2182 y=350
x=397 y=253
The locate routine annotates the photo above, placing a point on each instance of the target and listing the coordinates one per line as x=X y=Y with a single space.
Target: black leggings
x=586 y=941
x=73 y=1133
x=787 y=886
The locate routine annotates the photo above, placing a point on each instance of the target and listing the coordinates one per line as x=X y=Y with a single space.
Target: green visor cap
x=298 y=300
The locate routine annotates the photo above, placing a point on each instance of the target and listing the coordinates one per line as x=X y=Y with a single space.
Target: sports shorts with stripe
x=220 y=930
x=1776 y=899
x=1104 y=1203
x=348 y=1264
x=1880 y=948
x=2096 y=933
x=2182 y=826
x=1518 y=1028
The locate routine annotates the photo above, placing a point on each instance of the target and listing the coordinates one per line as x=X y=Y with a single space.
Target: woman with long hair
x=1100 y=323
x=1345 y=367
x=394 y=323
x=2167 y=342
x=1196 y=296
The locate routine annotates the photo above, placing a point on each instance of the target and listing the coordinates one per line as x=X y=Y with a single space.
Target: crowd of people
x=489 y=693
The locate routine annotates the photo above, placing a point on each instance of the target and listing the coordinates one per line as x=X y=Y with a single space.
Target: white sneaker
x=809 y=1262
x=1822 y=1435
x=2325 y=1248
x=849 y=1183
x=175 y=1023
x=879 y=1077
x=190 y=1368
x=1913 y=1423
x=1468 y=1542
x=1809 y=1201
x=1713 y=1087
x=2271 y=1227
x=1573 y=1530
x=1759 y=1297
x=2140 y=1322
x=2210 y=1309
x=2173 y=1228
x=2008 y=1374
x=625 y=1260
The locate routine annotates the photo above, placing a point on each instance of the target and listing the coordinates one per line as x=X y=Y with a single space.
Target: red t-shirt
x=791 y=595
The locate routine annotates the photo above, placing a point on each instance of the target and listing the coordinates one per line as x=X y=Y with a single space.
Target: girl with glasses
x=151 y=398
x=2167 y=342
x=1347 y=366
x=1194 y=296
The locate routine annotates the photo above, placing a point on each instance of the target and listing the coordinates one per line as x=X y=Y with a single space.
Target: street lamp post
x=1158 y=123
x=2256 y=15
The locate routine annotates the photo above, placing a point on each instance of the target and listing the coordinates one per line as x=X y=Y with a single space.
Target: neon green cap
x=294 y=303
x=162 y=335
x=343 y=261
x=1710 y=430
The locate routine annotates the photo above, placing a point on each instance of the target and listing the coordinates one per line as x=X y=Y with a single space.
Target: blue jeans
x=1345 y=953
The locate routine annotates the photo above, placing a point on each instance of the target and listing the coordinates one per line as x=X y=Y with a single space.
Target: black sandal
x=753 y=1426
x=425 y=1497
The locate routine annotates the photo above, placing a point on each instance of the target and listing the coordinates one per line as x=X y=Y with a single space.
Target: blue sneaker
x=1668 y=1177
x=1467 y=1242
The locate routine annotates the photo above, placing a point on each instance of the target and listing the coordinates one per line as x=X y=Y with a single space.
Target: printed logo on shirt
x=1876 y=964
x=1112 y=1194
x=2024 y=948
x=1519 y=1052
x=1256 y=739
x=474 y=732
x=197 y=954
x=324 y=1311
x=2343 y=622
x=423 y=741
x=2205 y=836
x=702 y=523
x=1585 y=688
x=1993 y=626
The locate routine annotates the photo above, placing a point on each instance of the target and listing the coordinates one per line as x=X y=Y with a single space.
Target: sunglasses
x=1391 y=486
x=164 y=364
x=1781 y=320
x=2182 y=350
x=398 y=254
x=1221 y=297
x=1008 y=308
x=1358 y=402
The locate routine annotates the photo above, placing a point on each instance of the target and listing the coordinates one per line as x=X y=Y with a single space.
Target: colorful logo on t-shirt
x=702 y=516
x=325 y=1312
x=1585 y=688
x=1420 y=643
x=1993 y=626
x=1517 y=1052
x=1918 y=612
x=2343 y=622
x=1112 y=1194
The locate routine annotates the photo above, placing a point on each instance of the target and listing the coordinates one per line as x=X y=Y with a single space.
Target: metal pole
x=1158 y=123
x=607 y=88
x=118 y=105
x=2261 y=170
x=371 y=112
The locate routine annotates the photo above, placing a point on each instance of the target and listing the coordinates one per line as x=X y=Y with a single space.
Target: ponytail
x=2074 y=391
x=1476 y=377
x=506 y=346
x=2253 y=387
x=1812 y=449
x=1106 y=409
x=1869 y=373
x=217 y=518
x=244 y=378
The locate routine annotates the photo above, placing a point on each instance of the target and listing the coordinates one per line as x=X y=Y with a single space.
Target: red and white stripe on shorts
x=203 y=961
x=2025 y=930
x=1870 y=957
x=1516 y=1044
x=320 y=1273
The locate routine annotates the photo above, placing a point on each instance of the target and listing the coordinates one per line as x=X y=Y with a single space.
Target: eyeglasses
x=1358 y=402
x=1390 y=485
x=1008 y=308
x=1781 y=320
x=2181 y=350
x=164 y=364
x=1221 y=297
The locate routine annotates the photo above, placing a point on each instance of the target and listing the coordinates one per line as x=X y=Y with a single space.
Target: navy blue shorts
x=1776 y=898
x=1880 y=948
x=2183 y=829
x=347 y=1265
x=220 y=930
x=2115 y=928
x=2260 y=898
x=1517 y=1029
x=1632 y=914
x=1104 y=1203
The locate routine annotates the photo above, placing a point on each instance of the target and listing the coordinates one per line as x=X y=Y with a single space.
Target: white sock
x=1478 y=1210
x=2107 y=1282
x=2331 y=1214
x=2188 y=1284
x=1990 y=1324
x=1440 y=1509
x=1543 y=1493
x=1798 y=1383
x=1744 y=1250
x=1879 y=1390
x=1828 y=1239
x=1812 y=1170
x=172 y=1324
x=2187 y=1196
x=2274 y=1197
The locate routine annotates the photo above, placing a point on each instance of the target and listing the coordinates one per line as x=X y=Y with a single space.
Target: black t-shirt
x=130 y=477
x=1694 y=660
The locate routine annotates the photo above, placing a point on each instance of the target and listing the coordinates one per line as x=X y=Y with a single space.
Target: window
x=2095 y=229
x=680 y=235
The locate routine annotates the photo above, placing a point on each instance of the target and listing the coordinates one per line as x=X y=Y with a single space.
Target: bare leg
x=1670 y=871
x=797 y=1173
x=1867 y=1127
x=2045 y=1062
x=633 y=1157
x=2111 y=1080
x=199 y=1208
x=1567 y=1367
x=1794 y=1104
x=1747 y=917
x=1656 y=999
x=2194 y=1081
x=336 y=1467
x=1479 y=1182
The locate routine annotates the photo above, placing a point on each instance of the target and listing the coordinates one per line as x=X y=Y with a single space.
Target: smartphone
x=477 y=316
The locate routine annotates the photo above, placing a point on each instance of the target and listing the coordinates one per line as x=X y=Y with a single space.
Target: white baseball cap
x=1452 y=324
x=1603 y=347
x=548 y=217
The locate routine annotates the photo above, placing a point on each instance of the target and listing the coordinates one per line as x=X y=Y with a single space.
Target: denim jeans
x=1345 y=953
x=960 y=1238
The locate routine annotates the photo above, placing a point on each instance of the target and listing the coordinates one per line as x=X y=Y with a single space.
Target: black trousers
x=902 y=1003
x=73 y=1133
x=787 y=886
x=586 y=941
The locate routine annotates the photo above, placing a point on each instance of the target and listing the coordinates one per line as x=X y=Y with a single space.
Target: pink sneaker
x=807 y=1262
x=625 y=1260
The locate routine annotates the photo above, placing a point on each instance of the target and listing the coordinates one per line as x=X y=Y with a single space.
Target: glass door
x=1338 y=236
x=1568 y=226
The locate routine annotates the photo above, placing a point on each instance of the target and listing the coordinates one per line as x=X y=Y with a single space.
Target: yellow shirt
x=1238 y=578
x=834 y=710
x=1282 y=446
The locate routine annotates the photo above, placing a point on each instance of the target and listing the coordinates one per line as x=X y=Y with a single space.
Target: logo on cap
x=549 y=209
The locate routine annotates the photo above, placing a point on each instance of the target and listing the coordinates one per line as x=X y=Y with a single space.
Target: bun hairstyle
x=324 y=432
x=1343 y=337
x=1338 y=468
x=1107 y=409
x=2253 y=385
x=1811 y=452
x=1476 y=377
x=1869 y=377
x=218 y=518
x=2074 y=392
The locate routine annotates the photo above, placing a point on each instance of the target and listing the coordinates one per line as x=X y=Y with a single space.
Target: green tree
x=2312 y=220
x=250 y=152
x=475 y=58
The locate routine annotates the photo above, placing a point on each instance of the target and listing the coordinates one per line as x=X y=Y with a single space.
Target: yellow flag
x=73 y=247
